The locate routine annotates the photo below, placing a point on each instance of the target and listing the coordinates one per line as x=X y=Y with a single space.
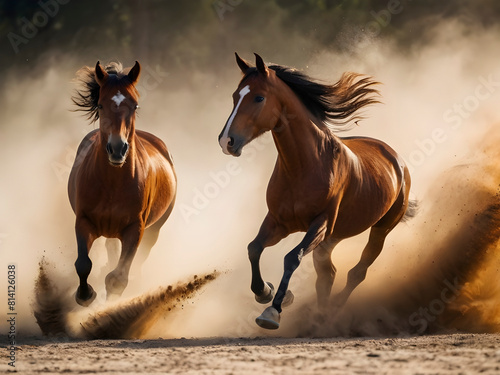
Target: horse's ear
x=100 y=74
x=242 y=63
x=261 y=67
x=134 y=73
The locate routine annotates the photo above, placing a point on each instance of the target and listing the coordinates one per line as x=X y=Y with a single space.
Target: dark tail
x=411 y=210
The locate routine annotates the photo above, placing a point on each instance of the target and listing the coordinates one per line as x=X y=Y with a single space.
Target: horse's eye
x=136 y=106
x=99 y=106
x=259 y=99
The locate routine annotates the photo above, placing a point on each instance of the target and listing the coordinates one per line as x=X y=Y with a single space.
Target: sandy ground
x=440 y=354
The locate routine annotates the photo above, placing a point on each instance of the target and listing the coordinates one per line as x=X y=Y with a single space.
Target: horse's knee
x=254 y=251
x=357 y=275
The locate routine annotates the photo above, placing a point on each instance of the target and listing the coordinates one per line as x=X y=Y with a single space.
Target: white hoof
x=288 y=299
x=267 y=294
x=269 y=319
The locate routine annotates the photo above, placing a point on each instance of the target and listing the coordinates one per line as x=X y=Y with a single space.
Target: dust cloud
x=122 y=320
x=451 y=284
x=436 y=272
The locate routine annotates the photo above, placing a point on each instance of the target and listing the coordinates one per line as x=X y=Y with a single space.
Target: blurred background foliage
x=202 y=35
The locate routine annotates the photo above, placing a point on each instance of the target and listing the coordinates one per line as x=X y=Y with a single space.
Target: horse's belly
x=349 y=225
x=357 y=215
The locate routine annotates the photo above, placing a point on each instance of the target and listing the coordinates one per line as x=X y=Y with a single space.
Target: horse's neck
x=302 y=145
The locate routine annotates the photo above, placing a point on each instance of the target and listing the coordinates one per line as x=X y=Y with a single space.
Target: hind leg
x=372 y=250
x=149 y=239
x=117 y=280
x=113 y=250
x=358 y=273
x=322 y=257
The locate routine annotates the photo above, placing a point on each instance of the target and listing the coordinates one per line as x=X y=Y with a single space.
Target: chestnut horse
x=122 y=184
x=331 y=188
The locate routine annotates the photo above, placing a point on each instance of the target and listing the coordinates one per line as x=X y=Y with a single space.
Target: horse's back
x=373 y=152
x=379 y=163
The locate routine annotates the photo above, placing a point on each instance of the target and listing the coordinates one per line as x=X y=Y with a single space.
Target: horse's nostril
x=231 y=141
x=124 y=149
x=109 y=149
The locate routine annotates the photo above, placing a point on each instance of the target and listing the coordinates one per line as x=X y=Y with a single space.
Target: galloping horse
x=331 y=188
x=122 y=184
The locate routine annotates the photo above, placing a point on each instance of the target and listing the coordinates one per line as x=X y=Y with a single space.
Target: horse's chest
x=118 y=206
x=113 y=210
x=296 y=205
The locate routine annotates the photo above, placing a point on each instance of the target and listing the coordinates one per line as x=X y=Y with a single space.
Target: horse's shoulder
x=151 y=140
x=84 y=148
x=88 y=140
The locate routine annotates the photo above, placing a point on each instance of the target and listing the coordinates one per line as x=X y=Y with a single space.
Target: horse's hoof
x=85 y=302
x=269 y=319
x=267 y=294
x=114 y=286
x=320 y=317
x=111 y=297
x=288 y=299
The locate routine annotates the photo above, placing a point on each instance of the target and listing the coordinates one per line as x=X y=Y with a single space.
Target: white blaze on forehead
x=225 y=139
x=118 y=98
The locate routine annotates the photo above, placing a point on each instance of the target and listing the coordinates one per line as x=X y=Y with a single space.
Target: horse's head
x=118 y=101
x=256 y=107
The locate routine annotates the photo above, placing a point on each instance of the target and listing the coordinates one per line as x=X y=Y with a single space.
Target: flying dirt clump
x=133 y=318
x=125 y=319
x=50 y=309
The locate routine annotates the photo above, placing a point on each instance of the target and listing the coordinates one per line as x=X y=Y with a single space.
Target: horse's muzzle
x=231 y=145
x=117 y=152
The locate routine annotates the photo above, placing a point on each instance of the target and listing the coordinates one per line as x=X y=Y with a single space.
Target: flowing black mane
x=336 y=104
x=87 y=98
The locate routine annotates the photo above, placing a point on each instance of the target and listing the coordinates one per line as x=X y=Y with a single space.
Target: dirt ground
x=439 y=354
